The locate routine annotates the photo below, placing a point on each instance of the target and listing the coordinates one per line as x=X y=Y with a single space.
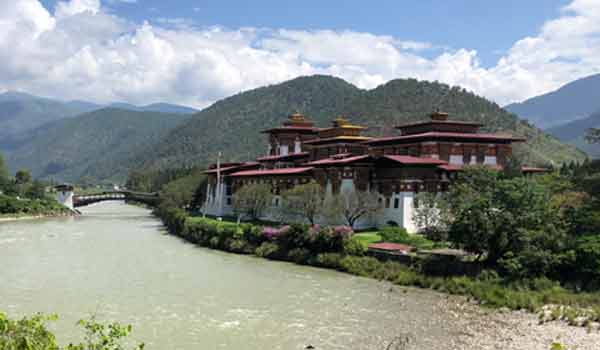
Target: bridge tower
x=64 y=195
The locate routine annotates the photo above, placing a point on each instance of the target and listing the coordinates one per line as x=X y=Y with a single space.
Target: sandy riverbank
x=482 y=328
x=33 y=217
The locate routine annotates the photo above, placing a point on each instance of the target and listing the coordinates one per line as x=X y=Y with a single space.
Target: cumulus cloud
x=81 y=51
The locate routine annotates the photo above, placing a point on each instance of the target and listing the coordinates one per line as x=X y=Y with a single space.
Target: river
x=116 y=262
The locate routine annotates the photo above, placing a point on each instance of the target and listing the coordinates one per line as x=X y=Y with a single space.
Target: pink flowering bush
x=272 y=233
x=344 y=231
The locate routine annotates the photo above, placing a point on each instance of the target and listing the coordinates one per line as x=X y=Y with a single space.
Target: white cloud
x=73 y=7
x=80 y=51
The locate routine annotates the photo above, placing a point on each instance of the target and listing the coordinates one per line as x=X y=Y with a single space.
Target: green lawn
x=366 y=238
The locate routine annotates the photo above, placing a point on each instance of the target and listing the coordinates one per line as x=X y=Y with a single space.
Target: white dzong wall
x=65 y=198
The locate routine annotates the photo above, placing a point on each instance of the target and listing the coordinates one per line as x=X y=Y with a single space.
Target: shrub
x=237 y=245
x=299 y=255
x=400 y=235
x=295 y=236
x=354 y=247
x=214 y=242
x=329 y=260
x=252 y=234
x=268 y=250
x=489 y=276
x=362 y=266
x=394 y=234
x=272 y=233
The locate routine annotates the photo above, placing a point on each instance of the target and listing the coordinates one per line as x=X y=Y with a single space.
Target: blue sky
x=490 y=27
x=195 y=52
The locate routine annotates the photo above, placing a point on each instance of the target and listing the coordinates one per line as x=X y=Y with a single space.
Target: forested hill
x=20 y=112
x=232 y=125
x=98 y=144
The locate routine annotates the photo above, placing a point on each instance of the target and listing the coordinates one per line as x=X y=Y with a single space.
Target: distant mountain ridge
x=155 y=107
x=575 y=100
x=574 y=133
x=20 y=112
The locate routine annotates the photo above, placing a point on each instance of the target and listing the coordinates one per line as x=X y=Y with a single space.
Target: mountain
x=574 y=133
x=575 y=100
x=97 y=144
x=20 y=112
x=155 y=107
x=232 y=125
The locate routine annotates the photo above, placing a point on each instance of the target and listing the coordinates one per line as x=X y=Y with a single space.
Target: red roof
x=262 y=172
x=451 y=135
x=529 y=169
x=337 y=161
x=303 y=129
x=391 y=247
x=338 y=139
x=239 y=166
x=281 y=157
x=442 y=122
x=415 y=160
x=459 y=167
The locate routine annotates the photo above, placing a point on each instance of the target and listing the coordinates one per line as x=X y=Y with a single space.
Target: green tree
x=31 y=333
x=37 y=190
x=353 y=205
x=22 y=177
x=305 y=201
x=252 y=200
x=180 y=192
x=511 y=221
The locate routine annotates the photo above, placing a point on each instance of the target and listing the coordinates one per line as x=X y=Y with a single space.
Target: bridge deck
x=87 y=199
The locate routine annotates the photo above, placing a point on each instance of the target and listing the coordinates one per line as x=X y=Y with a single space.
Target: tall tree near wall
x=305 y=201
x=252 y=201
x=353 y=205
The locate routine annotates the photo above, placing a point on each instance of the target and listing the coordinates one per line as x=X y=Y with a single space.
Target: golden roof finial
x=340 y=121
x=437 y=115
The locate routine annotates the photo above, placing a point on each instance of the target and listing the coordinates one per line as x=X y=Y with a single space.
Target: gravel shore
x=474 y=327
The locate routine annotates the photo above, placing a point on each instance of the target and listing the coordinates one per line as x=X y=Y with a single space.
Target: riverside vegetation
x=535 y=239
x=31 y=333
x=22 y=196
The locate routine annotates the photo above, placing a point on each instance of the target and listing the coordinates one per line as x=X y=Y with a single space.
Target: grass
x=366 y=238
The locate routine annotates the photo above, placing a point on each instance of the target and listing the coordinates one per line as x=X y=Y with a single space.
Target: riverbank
x=487 y=289
x=12 y=217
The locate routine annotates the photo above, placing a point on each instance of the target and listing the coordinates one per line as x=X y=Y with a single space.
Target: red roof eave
x=441 y=122
x=283 y=171
x=415 y=160
x=457 y=167
x=308 y=129
x=454 y=135
x=230 y=168
x=337 y=161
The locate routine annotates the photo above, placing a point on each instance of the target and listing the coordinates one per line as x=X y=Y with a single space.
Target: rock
x=580 y=321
